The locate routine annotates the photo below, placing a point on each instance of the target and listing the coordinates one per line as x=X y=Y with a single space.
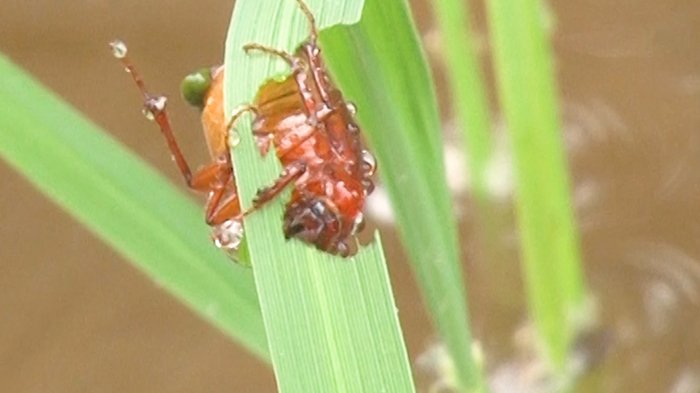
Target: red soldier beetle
x=315 y=136
x=318 y=142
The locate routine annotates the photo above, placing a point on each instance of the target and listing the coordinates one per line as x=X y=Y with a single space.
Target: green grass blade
x=125 y=203
x=550 y=248
x=468 y=91
x=331 y=323
x=381 y=67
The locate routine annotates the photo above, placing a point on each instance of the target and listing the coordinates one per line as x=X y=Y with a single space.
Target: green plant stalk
x=550 y=248
x=381 y=67
x=125 y=203
x=331 y=323
x=467 y=86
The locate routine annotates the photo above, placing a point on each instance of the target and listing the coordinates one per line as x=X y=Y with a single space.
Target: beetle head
x=313 y=221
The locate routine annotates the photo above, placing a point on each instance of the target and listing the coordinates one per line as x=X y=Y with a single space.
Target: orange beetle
x=315 y=136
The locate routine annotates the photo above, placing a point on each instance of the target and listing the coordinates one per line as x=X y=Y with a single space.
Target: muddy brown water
x=76 y=317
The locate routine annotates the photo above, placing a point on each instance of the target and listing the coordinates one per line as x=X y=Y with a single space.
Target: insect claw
x=293 y=229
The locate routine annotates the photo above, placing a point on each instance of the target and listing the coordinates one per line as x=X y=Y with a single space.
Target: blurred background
x=76 y=317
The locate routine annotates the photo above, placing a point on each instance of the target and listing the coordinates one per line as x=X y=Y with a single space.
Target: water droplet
x=368 y=186
x=359 y=223
x=119 y=49
x=369 y=163
x=351 y=108
x=158 y=103
x=228 y=235
x=148 y=113
x=153 y=106
x=234 y=138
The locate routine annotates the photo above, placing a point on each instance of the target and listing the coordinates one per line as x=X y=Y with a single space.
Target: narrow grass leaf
x=331 y=323
x=549 y=238
x=381 y=67
x=124 y=202
x=467 y=85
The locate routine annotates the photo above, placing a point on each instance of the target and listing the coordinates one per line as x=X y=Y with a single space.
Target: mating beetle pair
x=305 y=117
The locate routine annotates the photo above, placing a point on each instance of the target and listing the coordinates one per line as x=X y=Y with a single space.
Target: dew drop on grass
x=234 y=138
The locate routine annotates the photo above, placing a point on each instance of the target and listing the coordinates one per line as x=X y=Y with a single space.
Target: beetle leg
x=291 y=60
x=312 y=21
x=283 y=153
x=313 y=53
x=308 y=96
x=290 y=174
x=223 y=205
x=216 y=178
x=237 y=112
x=265 y=195
x=212 y=175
